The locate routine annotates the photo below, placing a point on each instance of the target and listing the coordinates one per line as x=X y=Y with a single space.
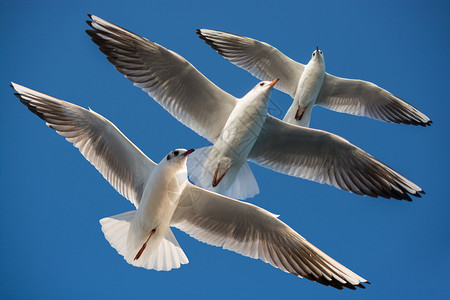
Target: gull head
x=258 y=97
x=264 y=88
x=317 y=55
x=176 y=157
x=261 y=92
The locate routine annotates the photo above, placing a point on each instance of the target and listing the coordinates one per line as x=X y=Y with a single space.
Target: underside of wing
x=327 y=158
x=364 y=98
x=260 y=59
x=254 y=232
x=125 y=167
x=166 y=76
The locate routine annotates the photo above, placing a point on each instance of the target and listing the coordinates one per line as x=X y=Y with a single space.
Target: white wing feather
x=167 y=77
x=254 y=232
x=121 y=163
x=362 y=98
x=260 y=59
x=327 y=158
x=350 y=96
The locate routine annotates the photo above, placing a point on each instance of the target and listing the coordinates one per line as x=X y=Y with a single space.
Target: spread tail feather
x=237 y=183
x=168 y=255
x=116 y=229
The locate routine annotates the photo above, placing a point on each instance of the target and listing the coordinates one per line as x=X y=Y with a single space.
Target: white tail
x=168 y=255
x=116 y=229
x=237 y=183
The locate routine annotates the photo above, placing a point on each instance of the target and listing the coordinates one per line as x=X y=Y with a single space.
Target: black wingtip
x=210 y=43
x=30 y=107
x=418 y=194
x=90 y=16
x=408 y=198
x=91 y=33
x=428 y=123
x=361 y=286
x=350 y=286
x=423 y=124
x=199 y=32
x=337 y=284
x=201 y=36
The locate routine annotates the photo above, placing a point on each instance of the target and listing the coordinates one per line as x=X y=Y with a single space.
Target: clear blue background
x=51 y=245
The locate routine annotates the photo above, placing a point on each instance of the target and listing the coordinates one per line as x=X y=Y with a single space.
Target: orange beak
x=273 y=82
x=188 y=152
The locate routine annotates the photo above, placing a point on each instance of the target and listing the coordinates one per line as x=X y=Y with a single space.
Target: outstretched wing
x=125 y=167
x=254 y=232
x=364 y=98
x=260 y=59
x=327 y=158
x=167 y=77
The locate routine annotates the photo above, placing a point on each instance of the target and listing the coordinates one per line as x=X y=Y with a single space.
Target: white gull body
x=308 y=89
x=242 y=131
x=163 y=197
x=310 y=85
x=229 y=153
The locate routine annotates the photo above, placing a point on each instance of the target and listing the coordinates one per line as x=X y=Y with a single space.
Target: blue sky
x=51 y=245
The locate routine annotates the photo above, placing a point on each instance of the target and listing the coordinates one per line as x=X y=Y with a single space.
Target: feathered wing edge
x=120 y=162
x=254 y=232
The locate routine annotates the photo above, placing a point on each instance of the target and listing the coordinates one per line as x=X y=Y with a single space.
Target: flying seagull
x=310 y=85
x=163 y=197
x=241 y=129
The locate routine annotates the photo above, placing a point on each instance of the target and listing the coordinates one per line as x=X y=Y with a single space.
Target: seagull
x=240 y=128
x=164 y=198
x=310 y=85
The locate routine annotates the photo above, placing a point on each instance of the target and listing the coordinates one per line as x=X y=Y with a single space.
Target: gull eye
x=320 y=52
x=168 y=157
x=314 y=53
x=261 y=84
x=176 y=153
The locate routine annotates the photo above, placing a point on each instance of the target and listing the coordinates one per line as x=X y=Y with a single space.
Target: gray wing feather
x=120 y=162
x=260 y=59
x=167 y=77
x=362 y=98
x=327 y=158
x=254 y=232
